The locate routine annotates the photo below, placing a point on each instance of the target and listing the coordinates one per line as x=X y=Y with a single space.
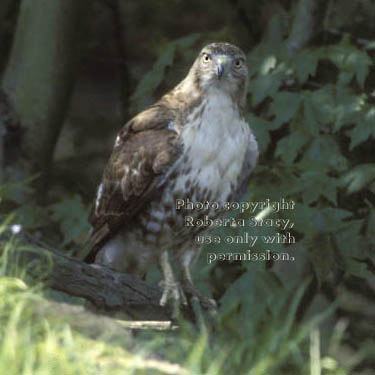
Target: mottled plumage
x=193 y=143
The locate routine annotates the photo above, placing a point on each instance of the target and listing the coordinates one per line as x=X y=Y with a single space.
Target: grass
x=40 y=336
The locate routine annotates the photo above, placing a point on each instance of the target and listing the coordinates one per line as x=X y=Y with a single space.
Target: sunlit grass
x=33 y=340
x=31 y=343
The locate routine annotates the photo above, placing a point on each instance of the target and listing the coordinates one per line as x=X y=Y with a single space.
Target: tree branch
x=308 y=20
x=106 y=289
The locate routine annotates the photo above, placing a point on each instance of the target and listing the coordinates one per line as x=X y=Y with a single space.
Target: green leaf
x=261 y=130
x=187 y=41
x=268 y=64
x=305 y=63
x=284 y=106
x=323 y=101
x=359 y=177
x=370 y=224
x=72 y=217
x=370 y=45
x=363 y=129
x=274 y=183
x=290 y=146
x=152 y=79
x=348 y=238
x=322 y=255
x=244 y=293
x=319 y=108
x=264 y=85
x=31 y=216
x=310 y=123
x=308 y=183
x=349 y=58
x=17 y=186
x=344 y=78
x=348 y=107
x=354 y=249
x=323 y=153
x=331 y=219
x=143 y=95
x=310 y=220
x=359 y=269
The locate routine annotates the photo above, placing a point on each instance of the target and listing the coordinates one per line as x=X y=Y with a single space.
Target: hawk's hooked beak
x=221 y=62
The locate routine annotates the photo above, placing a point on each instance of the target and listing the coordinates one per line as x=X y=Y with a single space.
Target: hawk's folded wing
x=248 y=165
x=144 y=152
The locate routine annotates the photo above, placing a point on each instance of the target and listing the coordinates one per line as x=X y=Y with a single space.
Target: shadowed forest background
x=73 y=72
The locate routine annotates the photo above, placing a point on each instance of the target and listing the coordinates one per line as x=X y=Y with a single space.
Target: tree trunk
x=40 y=73
x=308 y=20
x=8 y=15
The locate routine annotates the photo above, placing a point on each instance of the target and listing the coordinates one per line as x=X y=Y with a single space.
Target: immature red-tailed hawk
x=193 y=143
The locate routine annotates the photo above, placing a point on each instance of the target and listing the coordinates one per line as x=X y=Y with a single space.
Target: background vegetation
x=73 y=72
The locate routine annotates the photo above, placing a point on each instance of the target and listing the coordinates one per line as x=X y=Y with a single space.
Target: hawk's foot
x=171 y=288
x=172 y=291
x=207 y=303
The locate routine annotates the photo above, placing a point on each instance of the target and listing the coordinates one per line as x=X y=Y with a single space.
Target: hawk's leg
x=187 y=282
x=171 y=287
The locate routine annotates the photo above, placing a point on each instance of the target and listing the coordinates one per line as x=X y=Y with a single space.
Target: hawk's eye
x=238 y=63
x=206 y=57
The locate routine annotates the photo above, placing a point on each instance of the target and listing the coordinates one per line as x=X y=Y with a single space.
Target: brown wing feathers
x=144 y=151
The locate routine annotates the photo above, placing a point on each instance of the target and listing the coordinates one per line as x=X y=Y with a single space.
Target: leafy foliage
x=322 y=123
x=143 y=95
x=72 y=217
x=312 y=112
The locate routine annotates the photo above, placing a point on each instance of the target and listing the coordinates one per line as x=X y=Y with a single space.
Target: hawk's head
x=223 y=66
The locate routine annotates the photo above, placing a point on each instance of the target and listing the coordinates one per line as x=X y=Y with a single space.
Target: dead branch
x=105 y=289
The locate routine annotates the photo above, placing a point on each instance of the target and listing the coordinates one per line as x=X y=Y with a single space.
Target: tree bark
x=10 y=136
x=104 y=288
x=307 y=21
x=40 y=73
x=8 y=15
